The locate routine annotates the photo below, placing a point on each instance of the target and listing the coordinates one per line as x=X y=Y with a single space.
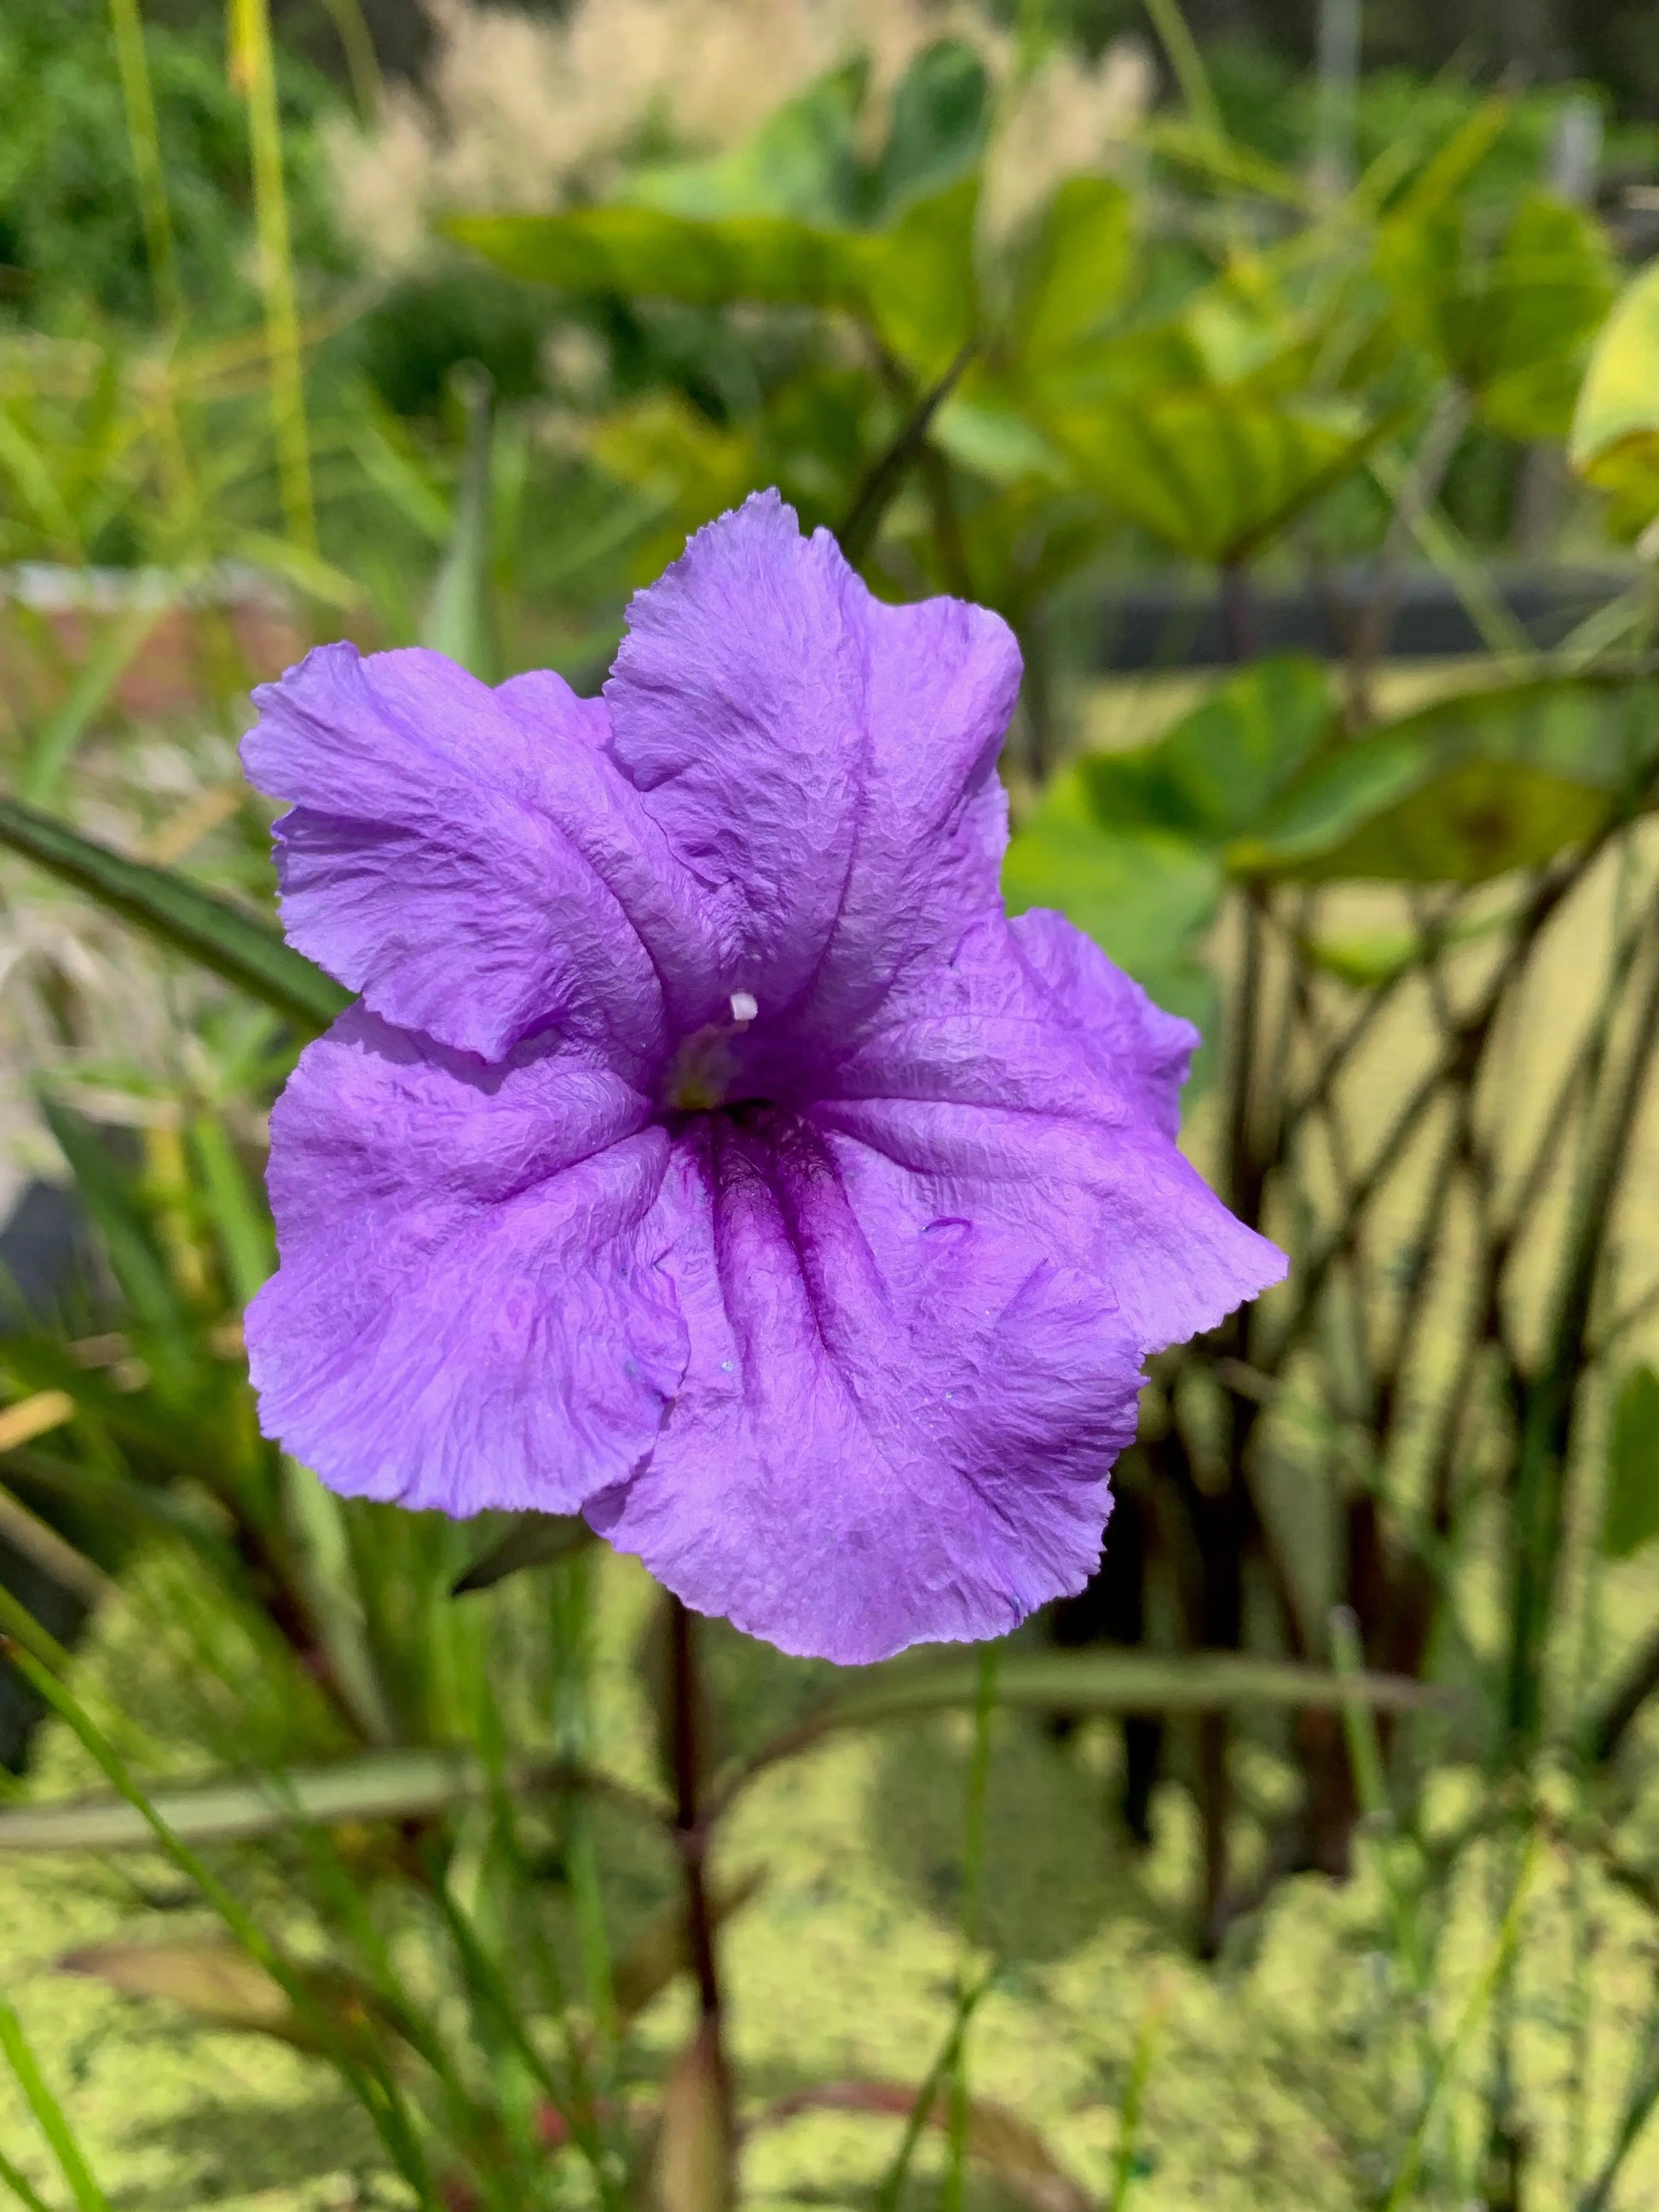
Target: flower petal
x=823 y=763
x=468 y=1313
x=1046 y=1105
x=470 y=860
x=895 y=1423
x=1134 y=1046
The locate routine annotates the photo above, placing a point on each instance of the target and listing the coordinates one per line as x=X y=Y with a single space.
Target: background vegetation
x=357 y=1858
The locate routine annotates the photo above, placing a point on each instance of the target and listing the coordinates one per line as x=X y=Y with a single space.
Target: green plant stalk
x=888 y=2196
x=1479 y=1997
x=22 y=2187
x=362 y=63
x=1185 y=59
x=48 y=2113
x=1548 y=1414
x=372 y=2084
x=570 y=1601
x=1124 y=2174
x=246 y=1241
x=1639 y=2103
x=973 y=1895
x=254 y=68
x=144 y=141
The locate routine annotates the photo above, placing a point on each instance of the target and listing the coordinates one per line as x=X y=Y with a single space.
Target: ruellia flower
x=707 y=1152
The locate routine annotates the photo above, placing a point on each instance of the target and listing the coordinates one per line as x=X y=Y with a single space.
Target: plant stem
x=253 y=67
x=144 y=141
x=973 y=1894
x=691 y=1837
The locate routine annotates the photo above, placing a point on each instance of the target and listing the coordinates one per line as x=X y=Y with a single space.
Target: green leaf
x=912 y=283
x=1087 y=1682
x=1632 y=1512
x=180 y=913
x=1073 y=272
x=1464 y=790
x=941 y=111
x=641 y=252
x=48 y=2112
x=1215 y=473
x=1615 y=440
x=531 y=1540
x=1213 y=777
x=915 y=283
x=393 y=1786
x=1145 y=896
x=803 y=162
x=1513 y=327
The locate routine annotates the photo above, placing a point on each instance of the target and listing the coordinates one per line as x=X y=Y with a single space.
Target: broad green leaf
x=1514 y=326
x=941 y=111
x=1632 y=1510
x=1615 y=425
x=642 y=252
x=1088 y=1682
x=914 y=282
x=803 y=160
x=393 y=1786
x=1466 y=789
x=1145 y=896
x=531 y=1540
x=180 y=913
x=1213 y=775
x=1072 y=271
x=1214 y=474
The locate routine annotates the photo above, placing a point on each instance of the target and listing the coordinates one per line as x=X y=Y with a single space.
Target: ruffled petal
x=1134 y=1045
x=469 y=1311
x=1034 y=1086
x=469 y=859
x=823 y=763
x=896 y=1422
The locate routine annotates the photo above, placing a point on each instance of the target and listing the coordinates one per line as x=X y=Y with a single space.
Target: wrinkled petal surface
x=468 y=1311
x=710 y=1153
x=896 y=1421
x=824 y=765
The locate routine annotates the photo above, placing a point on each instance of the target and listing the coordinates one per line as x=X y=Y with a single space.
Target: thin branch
x=882 y=480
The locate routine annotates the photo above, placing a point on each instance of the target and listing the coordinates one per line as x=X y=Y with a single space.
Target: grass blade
x=253 y=68
x=48 y=2113
x=180 y=913
x=458 y=615
x=144 y=143
x=102 y=669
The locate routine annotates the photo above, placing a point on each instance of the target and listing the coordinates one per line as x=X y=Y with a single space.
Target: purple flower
x=709 y=1154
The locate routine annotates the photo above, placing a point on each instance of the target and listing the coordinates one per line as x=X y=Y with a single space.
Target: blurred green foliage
x=1361 y=1543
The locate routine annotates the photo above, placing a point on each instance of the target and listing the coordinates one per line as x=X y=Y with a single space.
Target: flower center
x=706 y=1068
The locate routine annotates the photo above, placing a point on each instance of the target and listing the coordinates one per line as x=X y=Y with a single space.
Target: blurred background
x=1288 y=376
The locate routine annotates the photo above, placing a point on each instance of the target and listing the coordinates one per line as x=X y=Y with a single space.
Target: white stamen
x=744 y=1007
